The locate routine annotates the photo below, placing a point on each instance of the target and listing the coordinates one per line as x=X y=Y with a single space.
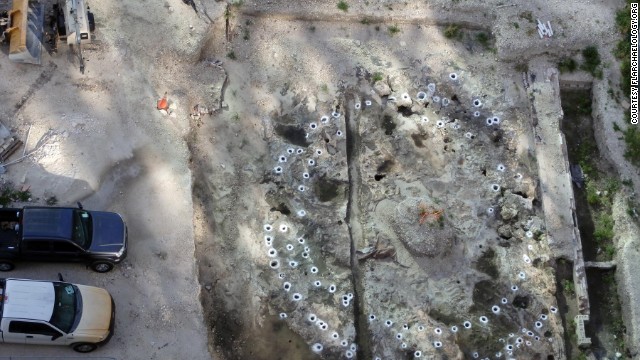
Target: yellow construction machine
x=22 y=26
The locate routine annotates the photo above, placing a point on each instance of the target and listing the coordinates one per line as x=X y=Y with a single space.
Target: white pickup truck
x=55 y=313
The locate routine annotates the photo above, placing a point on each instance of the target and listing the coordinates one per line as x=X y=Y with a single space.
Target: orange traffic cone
x=163 y=104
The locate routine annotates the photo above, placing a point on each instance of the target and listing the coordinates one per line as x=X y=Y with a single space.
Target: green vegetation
x=569 y=287
x=483 y=39
x=8 y=195
x=623 y=52
x=516 y=25
x=609 y=251
x=623 y=49
x=393 y=29
x=581 y=356
x=616 y=127
x=611 y=187
x=452 y=31
x=585 y=153
x=324 y=88
x=603 y=227
x=377 y=76
x=246 y=35
x=365 y=21
x=235 y=117
x=567 y=65
x=591 y=61
x=231 y=55
x=342 y=5
x=52 y=200
x=592 y=194
x=632 y=139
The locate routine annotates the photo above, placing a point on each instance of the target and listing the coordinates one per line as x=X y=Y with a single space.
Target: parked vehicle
x=55 y=313
x=97 y=238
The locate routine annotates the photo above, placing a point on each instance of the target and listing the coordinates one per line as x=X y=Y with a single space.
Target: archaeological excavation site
x=441 y=179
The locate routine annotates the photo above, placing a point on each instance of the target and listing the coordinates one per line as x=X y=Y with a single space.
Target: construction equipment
x=23 y=26
x=75 y=23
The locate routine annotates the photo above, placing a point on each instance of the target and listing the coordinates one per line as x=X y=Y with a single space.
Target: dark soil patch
x=293 y=134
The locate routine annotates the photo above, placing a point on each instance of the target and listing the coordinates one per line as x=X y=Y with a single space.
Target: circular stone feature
x=420 y=224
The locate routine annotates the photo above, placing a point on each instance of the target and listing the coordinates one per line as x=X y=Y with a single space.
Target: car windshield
x=64 y=309
x=82 y=228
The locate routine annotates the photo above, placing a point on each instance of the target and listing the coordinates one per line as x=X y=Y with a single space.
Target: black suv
x=97 y=238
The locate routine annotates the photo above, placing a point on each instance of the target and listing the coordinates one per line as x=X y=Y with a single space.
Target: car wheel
x=84 y=347
x=102 y=266
x=6 y=265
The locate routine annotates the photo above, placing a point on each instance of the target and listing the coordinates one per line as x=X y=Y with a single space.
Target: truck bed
x=9 y=227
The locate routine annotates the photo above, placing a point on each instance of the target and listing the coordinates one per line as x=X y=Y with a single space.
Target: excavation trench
x=355 y=227
x=593 y=214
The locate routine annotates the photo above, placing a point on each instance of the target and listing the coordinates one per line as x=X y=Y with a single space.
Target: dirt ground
x=197 y=192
